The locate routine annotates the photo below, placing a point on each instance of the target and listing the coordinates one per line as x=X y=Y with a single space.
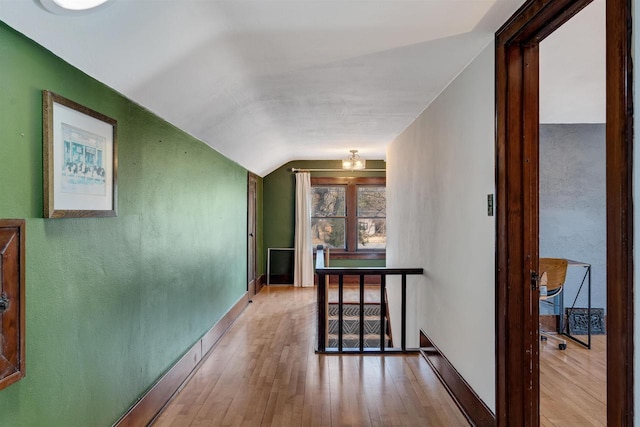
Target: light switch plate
x=490 y=204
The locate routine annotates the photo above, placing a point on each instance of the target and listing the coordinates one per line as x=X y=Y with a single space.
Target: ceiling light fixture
x=354 y=162
x=72 y=7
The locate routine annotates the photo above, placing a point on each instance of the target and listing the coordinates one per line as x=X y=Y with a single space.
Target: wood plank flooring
x=573 y=387
x=264 y=372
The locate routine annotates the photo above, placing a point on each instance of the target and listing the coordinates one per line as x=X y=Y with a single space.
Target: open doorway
x=572 y=221
x=518 y=246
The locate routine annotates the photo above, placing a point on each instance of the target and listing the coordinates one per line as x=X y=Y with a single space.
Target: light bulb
x=79 y=4
x=74 y=7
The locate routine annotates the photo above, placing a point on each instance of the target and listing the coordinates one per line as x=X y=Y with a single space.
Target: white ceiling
x=269 y=81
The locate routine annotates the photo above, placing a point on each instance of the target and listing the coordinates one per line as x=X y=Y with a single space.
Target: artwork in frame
x=79 y=158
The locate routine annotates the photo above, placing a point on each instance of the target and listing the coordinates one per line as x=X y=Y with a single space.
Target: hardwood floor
x=264 y=372
x=573 y=387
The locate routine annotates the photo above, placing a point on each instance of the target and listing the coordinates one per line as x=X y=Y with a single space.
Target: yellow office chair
x=553 y=272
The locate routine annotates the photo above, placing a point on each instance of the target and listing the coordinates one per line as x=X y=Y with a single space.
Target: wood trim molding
x=335 y=254
x=261 y=282
x=473 y=408
x=517 y=347
x=517 y=376
x=619 y=158
x=150 y=405
x=220 y=328
x=346 y=180
x=145 y=410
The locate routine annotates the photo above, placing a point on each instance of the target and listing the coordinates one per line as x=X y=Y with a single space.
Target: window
x=349 y=215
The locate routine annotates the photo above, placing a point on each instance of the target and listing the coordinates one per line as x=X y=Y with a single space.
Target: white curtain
x=303 y=265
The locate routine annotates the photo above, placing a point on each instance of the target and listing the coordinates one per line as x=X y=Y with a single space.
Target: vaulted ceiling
x=269 y=81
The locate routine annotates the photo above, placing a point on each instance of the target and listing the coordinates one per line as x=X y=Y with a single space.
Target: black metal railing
x=323 y=273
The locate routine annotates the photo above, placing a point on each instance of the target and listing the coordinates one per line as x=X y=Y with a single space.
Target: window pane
x=372 y=233
x=328 y=201
x=372 y=202
x=328 y=232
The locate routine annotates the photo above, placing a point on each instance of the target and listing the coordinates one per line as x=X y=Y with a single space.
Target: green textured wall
x=112 y=303
x=279 y=206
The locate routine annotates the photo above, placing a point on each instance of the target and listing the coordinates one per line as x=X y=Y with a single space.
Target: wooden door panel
x=11 y=302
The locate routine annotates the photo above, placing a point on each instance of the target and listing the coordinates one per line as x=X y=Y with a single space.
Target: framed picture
x=80 y=160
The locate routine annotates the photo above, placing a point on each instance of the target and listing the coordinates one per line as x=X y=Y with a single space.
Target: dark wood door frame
x=517 y=382
x=252 y=279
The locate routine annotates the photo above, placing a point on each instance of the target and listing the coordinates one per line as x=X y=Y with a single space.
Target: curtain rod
x=296 y=170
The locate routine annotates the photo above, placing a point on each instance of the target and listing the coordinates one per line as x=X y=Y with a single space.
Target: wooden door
x=12 y=301
x=251 y=235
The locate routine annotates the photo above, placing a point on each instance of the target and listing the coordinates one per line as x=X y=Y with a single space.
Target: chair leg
x=545 y=335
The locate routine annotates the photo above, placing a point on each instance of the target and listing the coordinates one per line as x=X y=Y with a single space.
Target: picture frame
x=80 y=160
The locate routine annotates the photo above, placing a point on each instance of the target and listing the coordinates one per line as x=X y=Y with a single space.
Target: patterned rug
x=351 y=326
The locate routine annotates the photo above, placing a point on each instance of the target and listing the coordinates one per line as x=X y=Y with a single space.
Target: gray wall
x=573 y=204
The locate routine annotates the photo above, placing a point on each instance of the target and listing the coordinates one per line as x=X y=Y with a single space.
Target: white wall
x=439 y=172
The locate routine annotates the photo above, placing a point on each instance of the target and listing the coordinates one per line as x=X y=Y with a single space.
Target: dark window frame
x=351 y=226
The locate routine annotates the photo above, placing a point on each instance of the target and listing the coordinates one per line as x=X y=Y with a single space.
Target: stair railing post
x=324 y=274
x=383 y=313
x=322 y=313
x=404 y=312
x=361 y=313
x=340 y=311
